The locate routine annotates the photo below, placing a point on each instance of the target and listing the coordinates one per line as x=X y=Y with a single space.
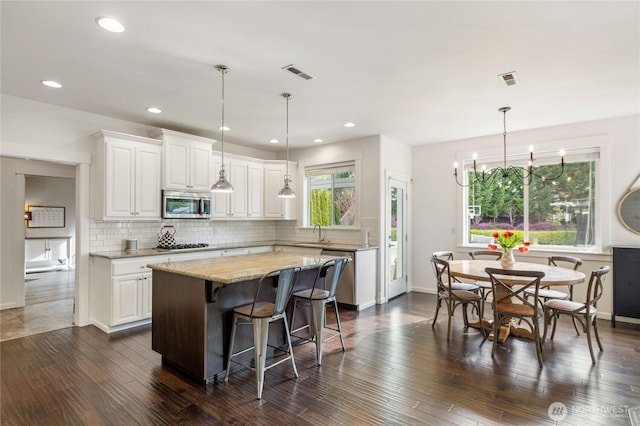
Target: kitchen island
x=193 y=302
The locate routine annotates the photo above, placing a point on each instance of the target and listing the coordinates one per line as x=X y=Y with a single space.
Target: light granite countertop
x=233 y=269
x=123 y=254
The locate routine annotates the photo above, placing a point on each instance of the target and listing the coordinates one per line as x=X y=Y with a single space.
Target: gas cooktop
x=183 y=246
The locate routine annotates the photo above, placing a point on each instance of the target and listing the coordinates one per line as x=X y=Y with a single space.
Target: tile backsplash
x=109 y=236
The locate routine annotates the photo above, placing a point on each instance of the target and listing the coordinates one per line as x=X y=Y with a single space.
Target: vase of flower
x=507 y=261
x=508 y=241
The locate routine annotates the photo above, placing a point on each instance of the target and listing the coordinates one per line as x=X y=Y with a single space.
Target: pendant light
x=222 y=185
x=287 y=191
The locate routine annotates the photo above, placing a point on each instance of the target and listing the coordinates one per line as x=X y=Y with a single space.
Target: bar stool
x=317 y=298
x=260 y=314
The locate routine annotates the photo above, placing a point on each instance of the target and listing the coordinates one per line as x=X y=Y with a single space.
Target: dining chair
x=456 y=283
x=318 y=298
x=260 y=314
x=585 y=313
x=510 y=301
x=546 y=293
x=452 y=297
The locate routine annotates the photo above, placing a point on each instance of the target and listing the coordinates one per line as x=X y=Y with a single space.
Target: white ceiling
x=417 y=72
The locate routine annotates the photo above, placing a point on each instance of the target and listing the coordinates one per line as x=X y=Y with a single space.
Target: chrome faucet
x=320 y=238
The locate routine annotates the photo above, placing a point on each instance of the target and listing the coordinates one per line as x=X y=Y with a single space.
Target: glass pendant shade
x=287 y=191
x=222 y=185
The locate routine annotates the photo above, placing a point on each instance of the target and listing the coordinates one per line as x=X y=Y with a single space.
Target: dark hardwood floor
x=397 y=370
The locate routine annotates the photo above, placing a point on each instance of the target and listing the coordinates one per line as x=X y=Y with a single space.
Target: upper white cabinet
x=233 y=205
x=275 y=207
x=255 y=190
x=186 y=161
x=126 y=177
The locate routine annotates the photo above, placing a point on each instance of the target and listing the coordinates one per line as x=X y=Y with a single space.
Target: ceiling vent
x=509 y=78
x=293 y=70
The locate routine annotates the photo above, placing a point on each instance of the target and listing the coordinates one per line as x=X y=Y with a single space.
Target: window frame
x=333 y=167
x=547 y=153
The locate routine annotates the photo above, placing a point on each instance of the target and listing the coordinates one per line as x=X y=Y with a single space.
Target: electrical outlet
x=113 y=234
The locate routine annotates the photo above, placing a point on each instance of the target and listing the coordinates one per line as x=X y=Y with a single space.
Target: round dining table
x=553 y=276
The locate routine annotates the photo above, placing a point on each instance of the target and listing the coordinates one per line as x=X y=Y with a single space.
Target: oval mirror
x=629 y=210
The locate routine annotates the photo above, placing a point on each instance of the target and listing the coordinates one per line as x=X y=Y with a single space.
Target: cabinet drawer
x=135 y=266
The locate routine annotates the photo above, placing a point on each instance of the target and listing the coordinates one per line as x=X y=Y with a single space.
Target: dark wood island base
x=192 y=315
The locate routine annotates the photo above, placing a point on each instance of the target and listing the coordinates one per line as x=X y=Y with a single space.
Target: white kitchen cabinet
x=43 y=254
x=255 y=190
x=186 y=161
x=275 y=207
x=232 y=205
x=131 y=298
x=126 y=177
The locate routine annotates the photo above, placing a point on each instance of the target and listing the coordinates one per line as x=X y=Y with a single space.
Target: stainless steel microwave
x=186 y=205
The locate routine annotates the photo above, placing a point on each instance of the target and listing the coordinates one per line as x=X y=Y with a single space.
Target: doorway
x=397 y=236
x=47 y=284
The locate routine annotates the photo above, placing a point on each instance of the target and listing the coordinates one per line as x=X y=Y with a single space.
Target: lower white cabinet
x=120 y=295
x=131 y=298
x=43 y=254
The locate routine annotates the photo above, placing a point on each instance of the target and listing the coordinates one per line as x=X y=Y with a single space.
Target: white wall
x=436 y=208
x=52 y=191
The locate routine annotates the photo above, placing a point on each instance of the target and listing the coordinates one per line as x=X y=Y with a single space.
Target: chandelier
x=287 y=191
x=222 y=185
x=483 y=176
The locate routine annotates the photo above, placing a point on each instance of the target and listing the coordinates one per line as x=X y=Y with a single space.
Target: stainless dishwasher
x=346 y=293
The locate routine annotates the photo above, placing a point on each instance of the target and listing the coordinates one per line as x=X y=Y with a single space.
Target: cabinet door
x=35 y=250
x=148 y=188
x=119 y=179
x=238 y=178
x=125 y=305
x=58 y=251
x=200 y=167
x=273 y=182
x=176 y=165
x=145 y=296
x=255 y=190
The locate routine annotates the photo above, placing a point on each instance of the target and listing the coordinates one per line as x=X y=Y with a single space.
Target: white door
x=397 y=237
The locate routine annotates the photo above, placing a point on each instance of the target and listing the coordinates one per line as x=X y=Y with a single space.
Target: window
x=331 y=195
x=556 y=214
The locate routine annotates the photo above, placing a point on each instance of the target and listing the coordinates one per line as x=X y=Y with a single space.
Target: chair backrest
x=506 y=289
x=576 y=262
x=333 y=269
x=441 y=268
x=596 y=285
x=446 y=255
x=493 y=254
x=287 y=278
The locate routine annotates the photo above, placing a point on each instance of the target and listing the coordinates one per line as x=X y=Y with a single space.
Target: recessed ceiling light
x=154 y=110
x=110 y=24
x=274 y=141
x=317 y=140
x=225 y=128
x=51 y=83
x=349 y=124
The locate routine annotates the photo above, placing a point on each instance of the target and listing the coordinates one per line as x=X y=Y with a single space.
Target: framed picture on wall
x=45 y=217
